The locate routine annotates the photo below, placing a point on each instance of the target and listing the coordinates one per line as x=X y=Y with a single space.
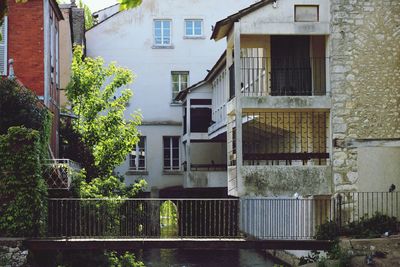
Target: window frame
x=171 y=167
x=4 y=43
x=193 y=35
x=162 y=33
x=133 y=158
x=179 y=73
x=295 y=13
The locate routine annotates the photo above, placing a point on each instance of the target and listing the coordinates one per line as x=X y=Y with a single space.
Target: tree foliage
x=88 y=15
x=127 y=4
x=99 y=103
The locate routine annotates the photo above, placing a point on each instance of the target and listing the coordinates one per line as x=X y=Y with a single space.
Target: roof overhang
x=222 y=27
x=57 y=10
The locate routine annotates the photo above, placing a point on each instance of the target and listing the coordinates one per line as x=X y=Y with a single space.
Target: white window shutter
x=3 y=48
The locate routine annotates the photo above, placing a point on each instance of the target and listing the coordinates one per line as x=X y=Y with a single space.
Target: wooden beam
x=128 y=244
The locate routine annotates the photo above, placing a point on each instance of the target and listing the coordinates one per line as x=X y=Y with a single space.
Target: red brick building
x=31 y=39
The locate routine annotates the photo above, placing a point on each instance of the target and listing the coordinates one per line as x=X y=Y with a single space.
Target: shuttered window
x=3 y=48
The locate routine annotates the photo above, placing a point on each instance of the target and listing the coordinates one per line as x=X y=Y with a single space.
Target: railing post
x=339 y=203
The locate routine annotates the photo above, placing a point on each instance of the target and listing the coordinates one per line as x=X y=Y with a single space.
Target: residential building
x=72 y=32
x=166 y=44
x=304 y=104
x=31 y=39
x=309 y=108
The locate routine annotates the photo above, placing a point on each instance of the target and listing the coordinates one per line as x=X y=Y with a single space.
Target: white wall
x=127 y=38
x=280 y=20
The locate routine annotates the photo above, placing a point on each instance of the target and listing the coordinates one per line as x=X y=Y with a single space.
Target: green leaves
x=99 y=97
x=127 y=4
x=22 y=188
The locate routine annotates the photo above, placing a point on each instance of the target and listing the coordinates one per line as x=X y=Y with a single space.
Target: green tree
x=127 y=4
x=88 y=15
x=99 y=103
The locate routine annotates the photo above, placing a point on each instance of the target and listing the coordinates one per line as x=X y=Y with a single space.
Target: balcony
x=59 y=173
x=291 y=76
x=206 y=175
x=276 y=82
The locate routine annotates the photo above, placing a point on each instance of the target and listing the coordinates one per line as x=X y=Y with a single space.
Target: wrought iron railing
x=294 y=218
x=357 y=206
x=285 y=138
x=143 y=218
x=276 y=76
x=59 y=172
x=206 y=167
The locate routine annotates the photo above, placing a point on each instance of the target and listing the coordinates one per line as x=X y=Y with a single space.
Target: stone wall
x=13 y=253
x=365 y=79
x=286 y=180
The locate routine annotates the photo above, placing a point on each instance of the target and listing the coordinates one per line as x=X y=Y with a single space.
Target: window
x=193 y=27
x=171 y=153
x=137 y=158
x=3 y=48
x=162 y=32
x=304 y=13
x=180 y=81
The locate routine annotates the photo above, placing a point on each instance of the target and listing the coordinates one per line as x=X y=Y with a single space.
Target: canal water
x=205 y=258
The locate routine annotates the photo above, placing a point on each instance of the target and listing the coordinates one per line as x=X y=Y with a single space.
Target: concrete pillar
x=238 y=105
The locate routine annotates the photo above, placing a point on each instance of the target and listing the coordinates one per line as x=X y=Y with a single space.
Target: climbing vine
x=24 y=141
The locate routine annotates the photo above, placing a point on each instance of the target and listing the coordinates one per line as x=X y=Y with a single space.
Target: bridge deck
x=173 y=243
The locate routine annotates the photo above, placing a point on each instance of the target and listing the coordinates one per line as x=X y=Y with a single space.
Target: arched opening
x=168 y=219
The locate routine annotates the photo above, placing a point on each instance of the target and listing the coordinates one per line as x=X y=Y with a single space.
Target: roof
x=182 y=94
x=215 y=69
x=100 y=10
x=222 y=27
x=106 y=19
x=56 y=9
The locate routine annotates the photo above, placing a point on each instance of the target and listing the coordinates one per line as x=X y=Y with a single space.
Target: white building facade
x=167 y=45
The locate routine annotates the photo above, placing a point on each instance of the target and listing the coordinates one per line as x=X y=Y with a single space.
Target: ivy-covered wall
x=24 y=144
x=22 y=188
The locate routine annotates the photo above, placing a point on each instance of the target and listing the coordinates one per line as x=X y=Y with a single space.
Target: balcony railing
x=59 y=173
x=206 y=167
x=285 y=138
x=292 y=76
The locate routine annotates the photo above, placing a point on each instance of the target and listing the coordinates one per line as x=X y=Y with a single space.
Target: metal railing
x=208 y=167
x=260 y=218
x=357 y=206
x=276 y=76
x=58 y=173
x=285 y=218
x=285 y=138
x=143 y=218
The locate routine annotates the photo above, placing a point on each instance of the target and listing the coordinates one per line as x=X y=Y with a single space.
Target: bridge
x=124 y=224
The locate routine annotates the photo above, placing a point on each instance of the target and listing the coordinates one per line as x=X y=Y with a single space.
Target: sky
x=95 y=5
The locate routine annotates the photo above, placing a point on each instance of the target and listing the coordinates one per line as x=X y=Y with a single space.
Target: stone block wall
x=13 y=253
x=365 y=79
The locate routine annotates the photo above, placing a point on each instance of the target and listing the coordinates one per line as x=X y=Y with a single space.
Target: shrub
x=327 y=231
x=371 y=227
x=19 y=106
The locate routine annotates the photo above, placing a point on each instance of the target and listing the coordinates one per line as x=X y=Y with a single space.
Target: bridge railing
x=143 y=218
x=260 y=218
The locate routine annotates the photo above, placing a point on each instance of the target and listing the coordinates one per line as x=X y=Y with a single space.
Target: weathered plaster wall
x=365 y=78
x=285 y=180
x=280 y=20
x=206 y=179
x=379 y=168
